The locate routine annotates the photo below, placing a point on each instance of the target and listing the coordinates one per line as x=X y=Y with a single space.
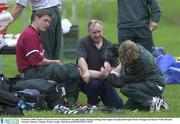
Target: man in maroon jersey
x=32 y=63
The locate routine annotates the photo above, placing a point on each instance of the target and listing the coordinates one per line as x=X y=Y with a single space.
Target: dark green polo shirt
x=94 y=57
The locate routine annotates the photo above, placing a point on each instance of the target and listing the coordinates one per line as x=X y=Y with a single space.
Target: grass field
x=166 y=36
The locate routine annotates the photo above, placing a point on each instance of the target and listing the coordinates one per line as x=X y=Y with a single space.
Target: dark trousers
x=97 y=90
x=52 y=36
x=141 y=35
x=67 y=74
x=140 y=95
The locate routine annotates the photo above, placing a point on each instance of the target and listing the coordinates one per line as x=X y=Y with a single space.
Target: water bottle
x=25 y=106
x=21 y=105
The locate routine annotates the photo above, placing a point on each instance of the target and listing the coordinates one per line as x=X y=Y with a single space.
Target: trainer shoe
x=164 y=105
x=76 y=109
x=62 y=109
x=65 y=110
x=87 y=109
x=157 y=104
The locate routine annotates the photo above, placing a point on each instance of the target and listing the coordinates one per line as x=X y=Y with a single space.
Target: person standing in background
x=3 y=6
x=52 y=36
x=136 y=21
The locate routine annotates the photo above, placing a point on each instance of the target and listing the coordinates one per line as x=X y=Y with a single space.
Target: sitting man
x=140 y=79
x=32 y=63
x=93 y=52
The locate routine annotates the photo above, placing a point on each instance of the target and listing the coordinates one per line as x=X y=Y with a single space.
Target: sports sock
x=71 y=100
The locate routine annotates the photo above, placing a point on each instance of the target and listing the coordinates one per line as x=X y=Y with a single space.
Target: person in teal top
x=139 y=78
x=136 y=21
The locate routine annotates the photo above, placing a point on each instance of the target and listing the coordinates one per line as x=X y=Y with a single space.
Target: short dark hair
x=42 y=12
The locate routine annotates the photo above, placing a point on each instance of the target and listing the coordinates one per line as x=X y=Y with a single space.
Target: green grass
x=171 y=95
x=167 y=36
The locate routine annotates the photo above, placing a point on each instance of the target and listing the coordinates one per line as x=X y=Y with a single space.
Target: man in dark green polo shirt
x=140 y=78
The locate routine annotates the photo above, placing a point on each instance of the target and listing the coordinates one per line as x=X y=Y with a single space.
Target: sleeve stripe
x=32 y=52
